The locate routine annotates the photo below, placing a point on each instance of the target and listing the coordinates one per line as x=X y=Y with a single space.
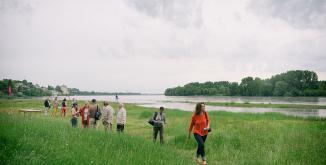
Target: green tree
x=50 y=87
x=266 y=89
x=290 y=83
x=280 y=88
x=247 y=86
x=58 y=89
x=234 y=89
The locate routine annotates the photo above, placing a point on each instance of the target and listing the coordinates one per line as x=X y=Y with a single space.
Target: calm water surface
x=177 y=102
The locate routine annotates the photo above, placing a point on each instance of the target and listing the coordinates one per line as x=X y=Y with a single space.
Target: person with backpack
x=47 y=106
x=200 y=125
x=94 y=112
x=63 y=108
x=55 y=107
x=107 y=114
x=158 y=124
x=121 y=118
x=84 y=112
x=74 y=113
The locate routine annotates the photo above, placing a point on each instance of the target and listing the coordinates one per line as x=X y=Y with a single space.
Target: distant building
x=44 y=89
x=54 y=93
x=64 y=89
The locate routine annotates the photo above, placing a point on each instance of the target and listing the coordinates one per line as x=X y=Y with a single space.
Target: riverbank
x=237 y=138
x=262 y=105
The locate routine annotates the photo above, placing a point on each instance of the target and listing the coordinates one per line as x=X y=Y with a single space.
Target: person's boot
x=204 y=162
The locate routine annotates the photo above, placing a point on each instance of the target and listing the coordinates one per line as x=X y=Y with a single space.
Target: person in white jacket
x=121 y=118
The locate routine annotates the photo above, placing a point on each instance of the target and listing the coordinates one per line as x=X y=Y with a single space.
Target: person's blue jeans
x=74 y=122
x=201 y=148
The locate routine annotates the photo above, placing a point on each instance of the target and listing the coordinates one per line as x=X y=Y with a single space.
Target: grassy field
x=262 y=105
x=237 y=138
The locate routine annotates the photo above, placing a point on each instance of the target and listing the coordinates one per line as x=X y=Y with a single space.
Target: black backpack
x=152 y=121
x=98 y=113
x=46 y=103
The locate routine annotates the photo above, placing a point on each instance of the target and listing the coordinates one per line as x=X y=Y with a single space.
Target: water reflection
x=238 y=99
x=286 y=111
x=179 y=102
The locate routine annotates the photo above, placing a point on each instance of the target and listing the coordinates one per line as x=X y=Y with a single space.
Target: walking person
x=116 y=97
x=93 y=109
x=84 y=112
x=55 y=107
x=200 y=125
x=63 y=108
x=159 y=122
x=121 y=118
x=74 y=113
x=47 y=106
x=107 y=113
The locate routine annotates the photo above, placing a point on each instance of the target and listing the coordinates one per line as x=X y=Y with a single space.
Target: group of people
x=47 y=105
x=91 y=113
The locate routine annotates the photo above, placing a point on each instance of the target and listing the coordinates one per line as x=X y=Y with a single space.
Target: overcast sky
x=149 y=45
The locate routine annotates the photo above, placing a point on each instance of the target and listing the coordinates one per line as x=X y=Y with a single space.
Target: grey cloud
x=299 y=13
x=308 y=53
x=20 y=6
x=157 y=43
x=118 y=49
x=182 y=13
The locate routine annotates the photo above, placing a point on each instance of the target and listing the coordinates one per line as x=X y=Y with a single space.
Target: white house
x=64 y=90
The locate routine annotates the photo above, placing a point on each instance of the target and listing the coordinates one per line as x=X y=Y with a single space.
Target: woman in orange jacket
x=200 y=124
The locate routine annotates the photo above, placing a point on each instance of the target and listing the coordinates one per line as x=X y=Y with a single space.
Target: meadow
x=236 y=138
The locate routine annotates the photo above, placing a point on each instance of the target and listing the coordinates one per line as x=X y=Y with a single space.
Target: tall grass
x=237 y=138
x=44 y=141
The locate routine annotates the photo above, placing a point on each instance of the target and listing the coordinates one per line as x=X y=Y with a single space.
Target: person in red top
x=84 y=112
x=200 y=124
x=63 y=108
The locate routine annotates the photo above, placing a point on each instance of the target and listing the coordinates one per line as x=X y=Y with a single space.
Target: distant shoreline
x=261 y=105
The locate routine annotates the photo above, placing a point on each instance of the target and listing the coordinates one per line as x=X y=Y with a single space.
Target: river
x=178 y=102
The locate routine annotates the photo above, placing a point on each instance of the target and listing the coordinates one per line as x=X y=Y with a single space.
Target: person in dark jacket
x=159 y=122
x=47 y=106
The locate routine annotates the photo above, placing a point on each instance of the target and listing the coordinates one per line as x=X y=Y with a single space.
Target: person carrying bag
x=158 y=122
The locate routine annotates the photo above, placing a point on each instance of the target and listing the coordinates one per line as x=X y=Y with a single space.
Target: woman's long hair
x=199 y=107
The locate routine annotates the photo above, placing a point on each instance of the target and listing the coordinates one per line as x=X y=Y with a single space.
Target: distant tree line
x=291 y=83
x=25 y=88
x=21 y=88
